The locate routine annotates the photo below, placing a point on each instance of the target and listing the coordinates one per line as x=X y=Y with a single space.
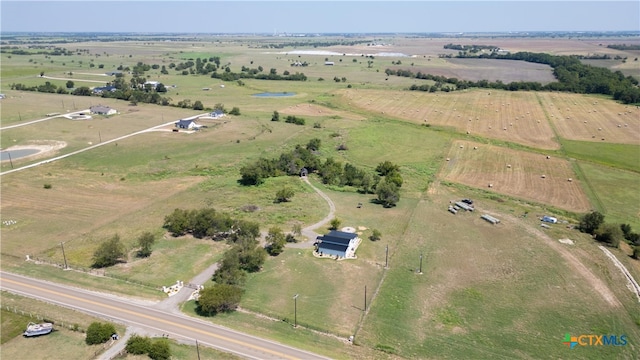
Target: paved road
x=153 y=320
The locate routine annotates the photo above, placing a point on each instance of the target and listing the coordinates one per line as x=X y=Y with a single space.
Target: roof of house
x=330 y=246
x=100 y=109
x=338 y=238
x=184 y=122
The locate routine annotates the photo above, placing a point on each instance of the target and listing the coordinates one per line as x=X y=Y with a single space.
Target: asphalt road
x=130 y=313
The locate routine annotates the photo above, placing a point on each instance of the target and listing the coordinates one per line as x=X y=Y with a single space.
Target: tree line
x=572 y=76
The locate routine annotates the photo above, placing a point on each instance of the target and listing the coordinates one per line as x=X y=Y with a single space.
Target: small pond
x=274 y=94
x=16 y=154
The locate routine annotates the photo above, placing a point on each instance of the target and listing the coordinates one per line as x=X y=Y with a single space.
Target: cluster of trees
x=572 y=76
x=156 y=349
x=289 y=119
x=55 y=51
x=386 y=182
x=246 y=256
x=247 y=73
x=611 y=234
x=209 y=223
x=471 y=48
x=113 y=251
x=99 y=333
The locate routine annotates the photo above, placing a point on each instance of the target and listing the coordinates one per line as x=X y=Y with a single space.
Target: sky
x=309 y=17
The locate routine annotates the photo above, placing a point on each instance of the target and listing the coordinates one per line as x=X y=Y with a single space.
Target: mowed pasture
x=516 y=173
x=508 y=116
x=592 y=118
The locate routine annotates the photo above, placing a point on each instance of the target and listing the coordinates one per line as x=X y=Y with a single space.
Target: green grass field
x=504 y=291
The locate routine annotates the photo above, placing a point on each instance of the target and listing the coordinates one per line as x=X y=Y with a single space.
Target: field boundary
x=632 y=283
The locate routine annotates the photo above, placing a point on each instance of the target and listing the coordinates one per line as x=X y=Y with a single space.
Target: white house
x=102 y=110
x=187 y=124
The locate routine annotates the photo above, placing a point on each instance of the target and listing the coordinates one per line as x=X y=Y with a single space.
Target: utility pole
x=295 y=310
x=64 y=256
x=100 y=137
x=365 y=298
x=198 y=349
x=420 y=272
x=386 y=257
x=10 y=161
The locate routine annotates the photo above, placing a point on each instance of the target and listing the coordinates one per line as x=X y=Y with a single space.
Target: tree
x=70 y=84
x=284 y=195
x=145 y=241
x=219 y=298
x=375 y=235
x=160 y=350
x=275 y=241
x=334 y=224
x=109 y=253
x=219 y=106
x=610 y=234
x=161 y=88
x=235 y=111
x=314 y=144
x=388 y=193
x=138 y=345
x=636 y=253
x=197 y=105
x=387 y=167
x=275 y=116
x=591 y=222
x=99 y=333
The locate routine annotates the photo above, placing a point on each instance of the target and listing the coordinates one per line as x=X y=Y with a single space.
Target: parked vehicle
x=34 y=329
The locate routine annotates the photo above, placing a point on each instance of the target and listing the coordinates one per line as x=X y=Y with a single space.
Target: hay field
x=490 y=165
x=592 y=118
x=509 y=116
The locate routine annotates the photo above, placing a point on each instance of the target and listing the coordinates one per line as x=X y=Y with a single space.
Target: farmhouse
x=187 y=124
x=100 y=90
x=102 y=110
x=216 y=114
x=339 y=243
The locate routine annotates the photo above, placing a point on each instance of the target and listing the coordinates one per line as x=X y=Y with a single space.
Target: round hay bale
x=490 y=185
x=448 y=159
x=475 y=148
x=569 y=179
x=509 y=166
x=548 y=157
x=544 y=176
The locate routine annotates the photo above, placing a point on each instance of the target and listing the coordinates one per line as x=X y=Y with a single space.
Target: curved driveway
x=151 y=319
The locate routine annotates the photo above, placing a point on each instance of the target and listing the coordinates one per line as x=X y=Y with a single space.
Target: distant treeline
x=471 y=48
x=315 y=44
x=623 y=47
x=572 y=76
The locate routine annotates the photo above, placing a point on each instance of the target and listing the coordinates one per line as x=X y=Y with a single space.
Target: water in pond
x=274 y=94
x=16 y=154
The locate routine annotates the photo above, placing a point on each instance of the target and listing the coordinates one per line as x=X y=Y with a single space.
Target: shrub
x=160 y=350
x=335 y=224
x=636 y=253
x=99 y=333
x=48 y=186
x=138 y=345
x=376 y=235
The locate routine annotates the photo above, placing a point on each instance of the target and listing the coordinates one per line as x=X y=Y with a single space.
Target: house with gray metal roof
x=338 y=243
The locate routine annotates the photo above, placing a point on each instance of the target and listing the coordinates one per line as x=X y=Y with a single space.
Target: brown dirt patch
x=516 y=173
